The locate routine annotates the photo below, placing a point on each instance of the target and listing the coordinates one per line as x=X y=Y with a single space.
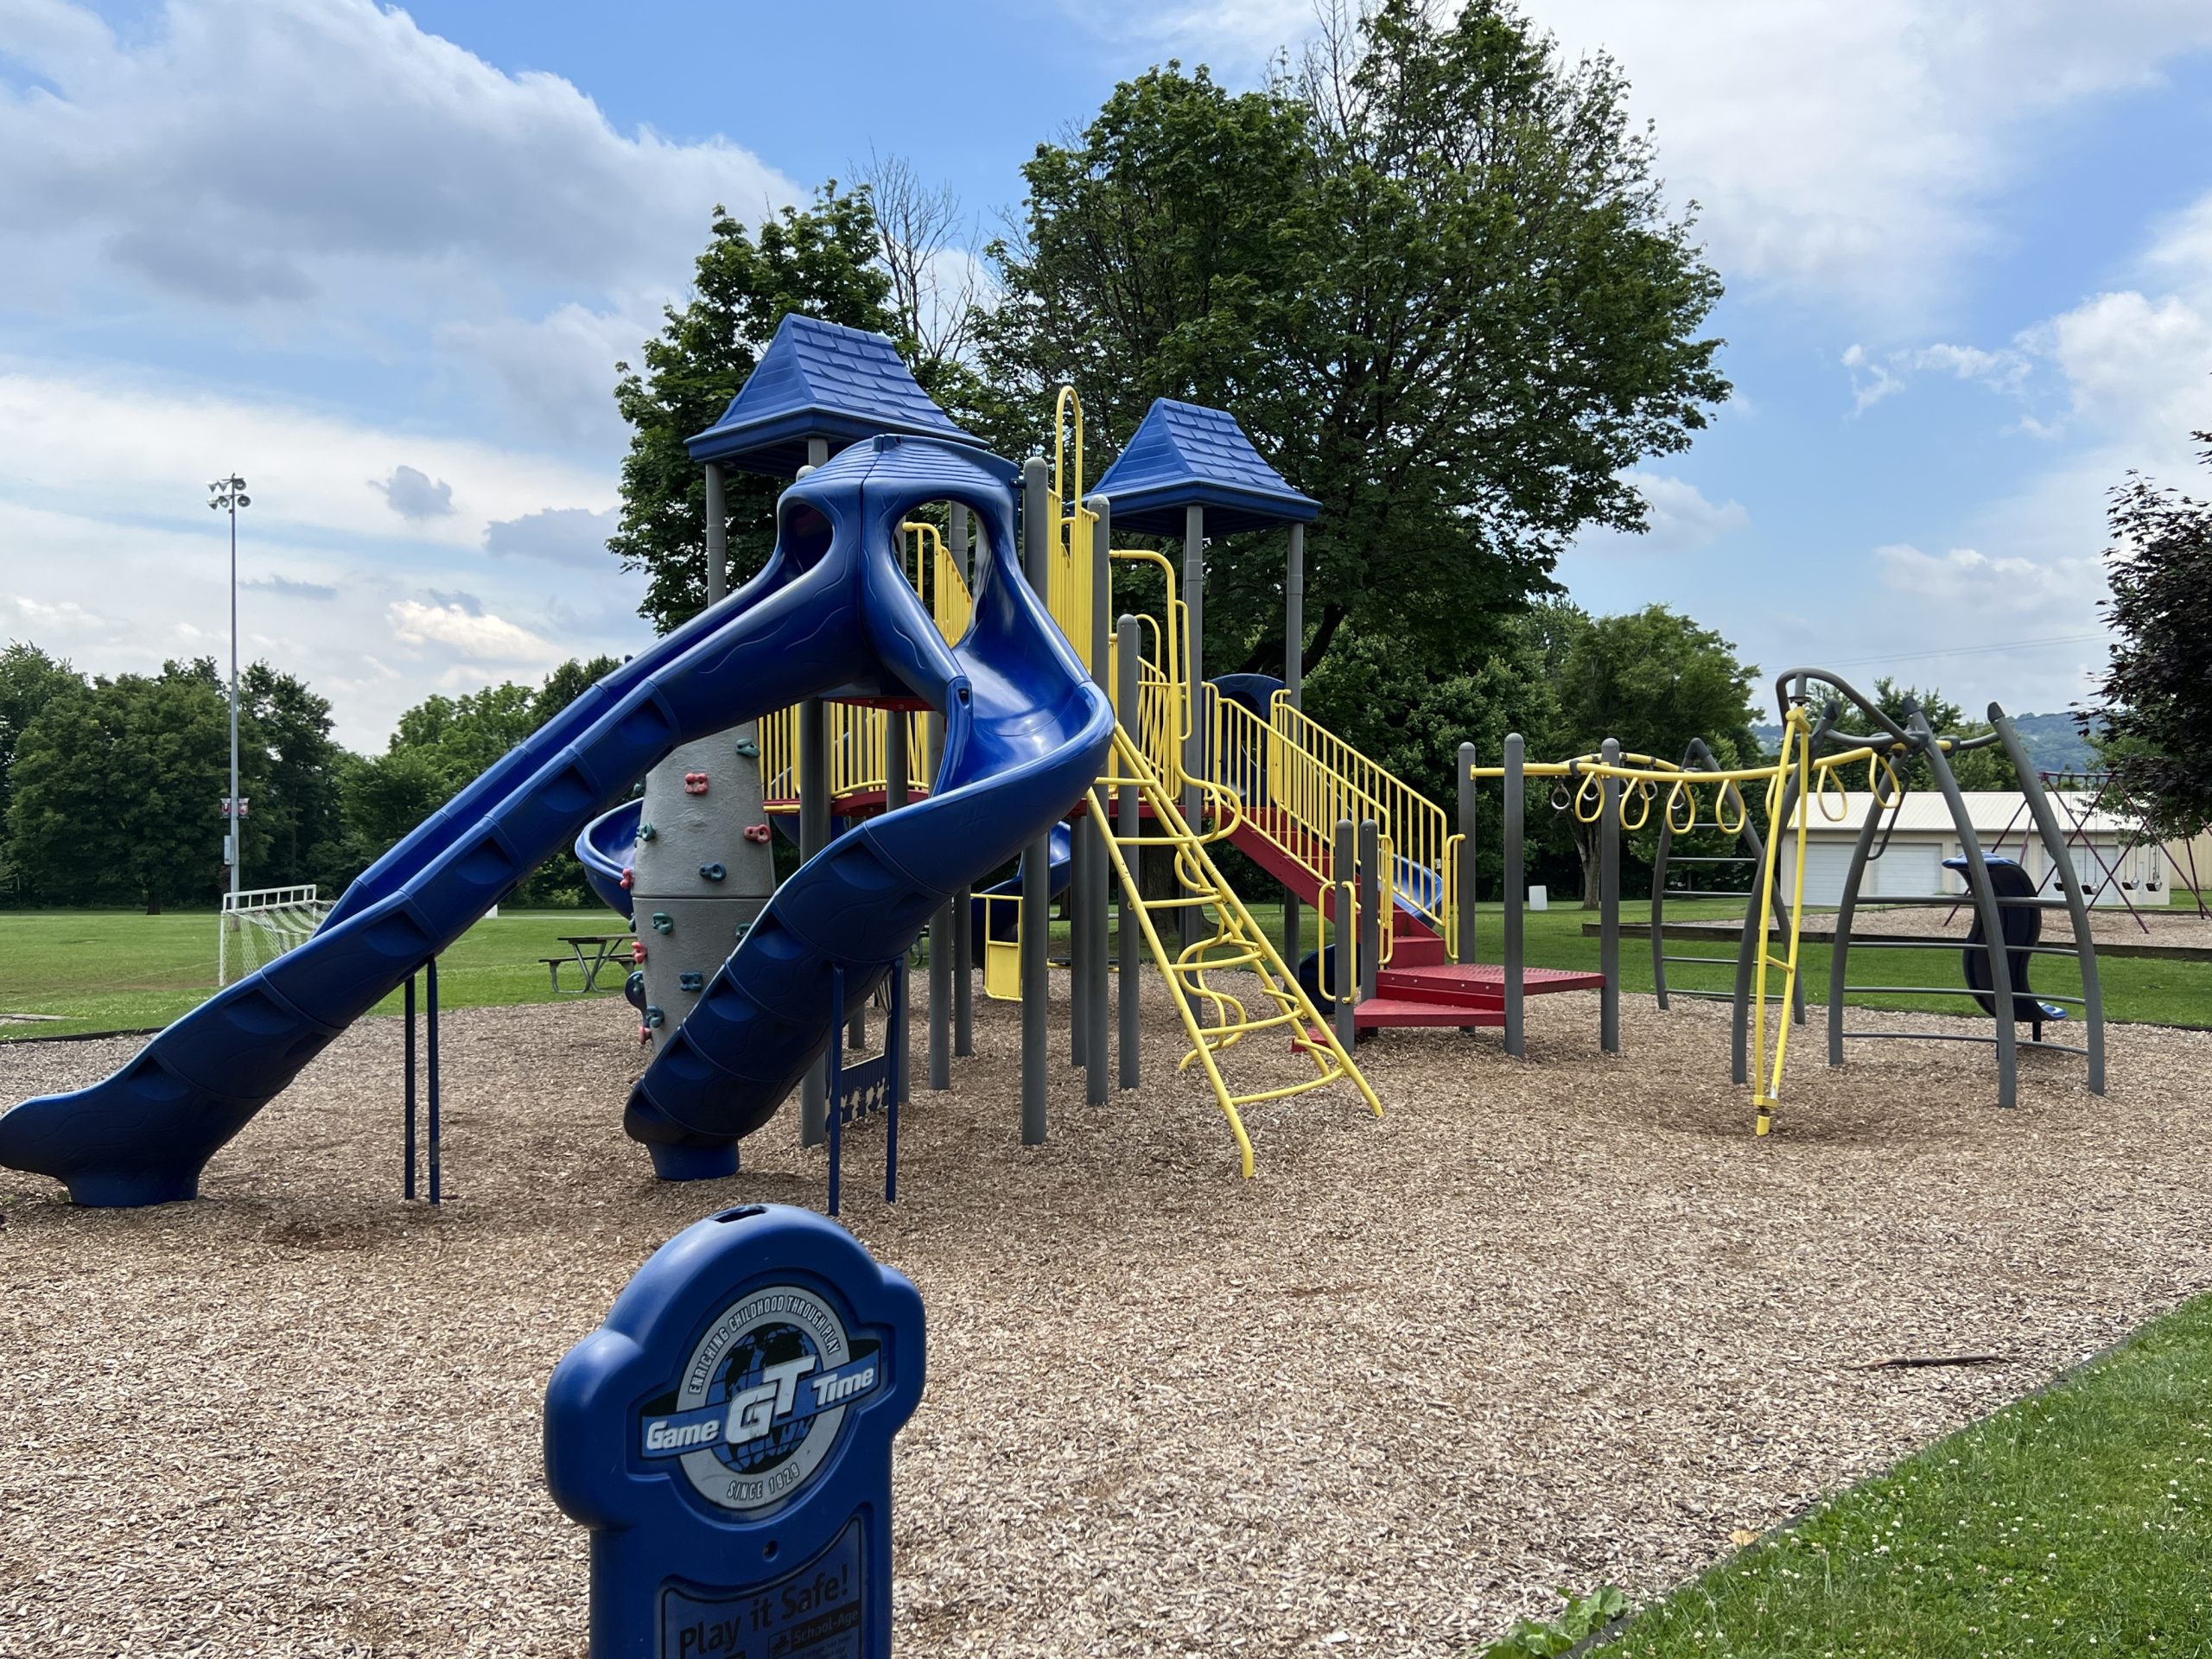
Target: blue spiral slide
x=832 y=615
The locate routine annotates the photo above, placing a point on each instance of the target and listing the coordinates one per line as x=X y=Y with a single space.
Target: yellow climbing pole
x=1787 y=808
x=1236 y=945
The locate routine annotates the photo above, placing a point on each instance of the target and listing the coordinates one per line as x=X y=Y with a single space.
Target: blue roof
x=820 y=381
x=1187 y=456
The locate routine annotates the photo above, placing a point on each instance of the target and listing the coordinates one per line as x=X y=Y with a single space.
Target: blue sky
x=382 y=262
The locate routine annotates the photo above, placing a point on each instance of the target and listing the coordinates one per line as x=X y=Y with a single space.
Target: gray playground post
x=1194 y=747
x=1370 y=906
x=897 y=791
x=1985 y=904
x=1344 y=984
x=1609 y=901
x=1517 y=890
x=813 y=836
x=1126 y=989
x=963 y=919
x=2070 y=884
x=1839 y=941
x=1463 y=900
x=1036 y=858
x=1294 y=681
x=717 y=537
x=1093 y=827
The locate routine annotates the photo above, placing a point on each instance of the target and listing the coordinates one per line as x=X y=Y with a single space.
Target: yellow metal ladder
x=1236 y=944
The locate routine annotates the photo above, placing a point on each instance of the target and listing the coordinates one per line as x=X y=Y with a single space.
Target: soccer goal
x=261 y=925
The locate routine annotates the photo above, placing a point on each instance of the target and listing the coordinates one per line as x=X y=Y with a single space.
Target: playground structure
x=923 y=681
x=1619 y=792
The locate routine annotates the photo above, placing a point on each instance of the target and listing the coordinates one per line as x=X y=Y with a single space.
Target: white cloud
x=246 y=151
x=558 y=534
x=467 y=627
x=1975 y=587
x=1680 y=517
x=1840 y=149
x=413 y=496
x=305 y=468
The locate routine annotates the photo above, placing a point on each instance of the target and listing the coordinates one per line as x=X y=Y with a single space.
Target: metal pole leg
x=1609 y=900
x=410 y=1185
x=1126 y=988
x=430 y=995
x=1344 y=935
x=1516 y=894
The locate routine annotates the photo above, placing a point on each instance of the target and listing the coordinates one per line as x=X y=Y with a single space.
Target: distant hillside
x=2055 y=743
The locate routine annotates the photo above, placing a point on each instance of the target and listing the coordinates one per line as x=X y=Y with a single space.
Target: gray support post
x=1517 y=892
x=1078 y=909
x=1609 y=903
x=1344 y=984
x=1194 y=747
x=2070 y=884
x=1463 y=900
x=1126 y=989
x=717 y=537
x=1986 y=906
x=1293 y=683
x=898 y=768
x=1839 y=944
x=1370 y=906
x=1093 y=827
x=1036 y=868
x=963 y=902
x=813 y=836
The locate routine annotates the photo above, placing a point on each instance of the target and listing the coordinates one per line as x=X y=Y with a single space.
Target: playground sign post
x=726 y=1436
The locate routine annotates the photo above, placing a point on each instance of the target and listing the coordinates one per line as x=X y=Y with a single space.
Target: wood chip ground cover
x=1549 y=1323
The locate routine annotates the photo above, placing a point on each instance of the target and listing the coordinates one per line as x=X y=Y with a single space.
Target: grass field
x=120 y=971
x=2076 y=1522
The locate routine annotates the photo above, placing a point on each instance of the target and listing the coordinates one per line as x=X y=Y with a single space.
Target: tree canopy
x=2155 y=699
x=1431 y=273
x=821 y=261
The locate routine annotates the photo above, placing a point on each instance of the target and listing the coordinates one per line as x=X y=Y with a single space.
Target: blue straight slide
x=832 y=615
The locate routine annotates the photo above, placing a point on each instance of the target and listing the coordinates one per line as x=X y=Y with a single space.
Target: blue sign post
x=727 y=1436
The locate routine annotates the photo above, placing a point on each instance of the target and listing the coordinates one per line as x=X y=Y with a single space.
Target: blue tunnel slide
x=831 y=614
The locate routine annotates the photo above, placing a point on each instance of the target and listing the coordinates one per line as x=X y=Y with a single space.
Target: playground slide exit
x=832 y=614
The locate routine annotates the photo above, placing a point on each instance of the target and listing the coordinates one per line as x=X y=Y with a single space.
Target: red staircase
x=1418 y=987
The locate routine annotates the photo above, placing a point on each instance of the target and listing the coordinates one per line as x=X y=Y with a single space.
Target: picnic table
x=589 y=953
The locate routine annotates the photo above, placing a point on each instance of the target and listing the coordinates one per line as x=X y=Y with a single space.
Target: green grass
x=2076 y=1522
x=116 y=971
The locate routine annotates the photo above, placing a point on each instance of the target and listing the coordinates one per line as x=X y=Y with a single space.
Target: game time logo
x=761 y=1400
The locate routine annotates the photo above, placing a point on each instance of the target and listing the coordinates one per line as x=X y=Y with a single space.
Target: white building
x=2110 y=868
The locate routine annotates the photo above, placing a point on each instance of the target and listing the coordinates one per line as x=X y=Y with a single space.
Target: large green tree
x=1654 y=679
x=118 y=787
x=2154 y=714
x=1432 y=275
x=300 y=814
x=822 y=261
x=29 y=679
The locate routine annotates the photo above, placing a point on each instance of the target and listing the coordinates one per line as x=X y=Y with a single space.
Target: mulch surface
x=1549 y=1323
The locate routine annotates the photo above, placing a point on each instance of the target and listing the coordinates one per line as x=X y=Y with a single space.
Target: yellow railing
x=1069 y=592
x=1235 y=946
x=1285 y=794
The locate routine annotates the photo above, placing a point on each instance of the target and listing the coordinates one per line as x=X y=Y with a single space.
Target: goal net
x=261 y=925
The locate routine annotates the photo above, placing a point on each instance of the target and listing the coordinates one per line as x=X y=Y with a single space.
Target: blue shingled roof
x=1187 y=456
x=820 y=381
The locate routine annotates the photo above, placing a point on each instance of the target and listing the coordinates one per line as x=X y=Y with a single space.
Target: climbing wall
x=703 y=868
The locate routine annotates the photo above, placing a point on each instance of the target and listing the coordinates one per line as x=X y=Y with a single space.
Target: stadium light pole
x=228 y=495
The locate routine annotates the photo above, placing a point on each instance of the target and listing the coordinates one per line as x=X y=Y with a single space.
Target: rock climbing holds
x=653 y=1016
x=647 y=832
x=637 y=950
x=748 y=749
x=757 y=833
x=634 y=990
x=645 y=1035
x=661 y=924
x=695 y=783
x=691 y=981
x=713 y=872
x=626 y=879
x=743 y=928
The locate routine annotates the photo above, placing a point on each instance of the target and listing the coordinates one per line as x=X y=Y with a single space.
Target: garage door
x=1826 y=863
x=1908 y=870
